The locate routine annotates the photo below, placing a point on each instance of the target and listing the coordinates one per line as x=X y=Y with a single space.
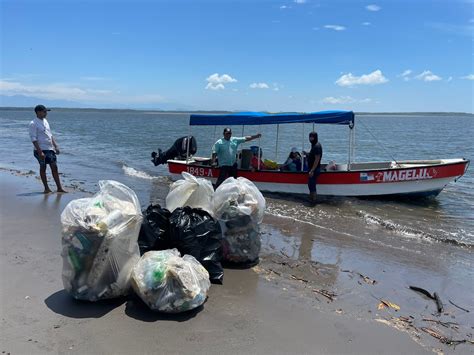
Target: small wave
x=137 y=173
x=17 y=172
x=282 y=213
x=410 y=232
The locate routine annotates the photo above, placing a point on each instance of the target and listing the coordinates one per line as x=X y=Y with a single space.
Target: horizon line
x=232 y=111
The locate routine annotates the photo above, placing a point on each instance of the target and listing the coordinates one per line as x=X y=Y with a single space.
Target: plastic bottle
x=110 y=221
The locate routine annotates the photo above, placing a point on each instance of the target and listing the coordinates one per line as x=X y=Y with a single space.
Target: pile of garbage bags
x=169 y=283
x=191 y=231
x=239 y=207
x=103 y=237
x=99 y=242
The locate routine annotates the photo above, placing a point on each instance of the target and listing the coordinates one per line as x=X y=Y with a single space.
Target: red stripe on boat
x=334 y=177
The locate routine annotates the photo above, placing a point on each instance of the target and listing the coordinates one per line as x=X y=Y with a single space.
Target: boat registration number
x=206 y=172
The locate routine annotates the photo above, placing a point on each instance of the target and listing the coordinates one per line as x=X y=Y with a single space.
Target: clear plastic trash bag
x=169 y=283
x=239 y=206
x=99 y=242
x=191 y=191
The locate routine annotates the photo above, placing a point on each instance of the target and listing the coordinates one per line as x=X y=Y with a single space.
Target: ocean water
x=98 y=145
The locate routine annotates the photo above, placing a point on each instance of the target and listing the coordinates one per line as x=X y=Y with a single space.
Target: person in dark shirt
x=314 y=164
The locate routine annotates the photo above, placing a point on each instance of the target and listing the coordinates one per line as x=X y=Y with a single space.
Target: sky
x=293 y=55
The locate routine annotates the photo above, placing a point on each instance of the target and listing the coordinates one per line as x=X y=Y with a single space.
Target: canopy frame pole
x=259 y=154
x=276 y=145
x=187 y=145
x=302 y=147
x=243 y=131
x=349 y=153
x=351 y=138
x=214 y=137
x=353 y=143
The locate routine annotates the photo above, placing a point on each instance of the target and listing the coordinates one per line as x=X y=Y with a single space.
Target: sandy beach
x=284 y=305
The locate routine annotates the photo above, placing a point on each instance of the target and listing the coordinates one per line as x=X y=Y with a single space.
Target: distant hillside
x=151 y=111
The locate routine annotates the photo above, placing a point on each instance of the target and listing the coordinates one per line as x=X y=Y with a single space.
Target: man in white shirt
x=45 y=147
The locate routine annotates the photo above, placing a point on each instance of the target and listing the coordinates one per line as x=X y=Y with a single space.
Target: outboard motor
x=177 y=151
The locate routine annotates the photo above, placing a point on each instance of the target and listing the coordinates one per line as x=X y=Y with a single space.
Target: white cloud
x=373 y=7
x=449 y=79
x=335 y=27
x=405 y=75
x=366 y=23
x=216 y=81
x=468 y=77
x=259 y=86
x=299 y=1
x=277 y=87
x=428 y=76
x=57 y=91
x=374 y=78
x=343 y=100
x=210 y=86
x=284 y=7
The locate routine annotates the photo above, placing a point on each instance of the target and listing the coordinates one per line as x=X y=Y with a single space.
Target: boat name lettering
x=199 y=171
x=399 y=175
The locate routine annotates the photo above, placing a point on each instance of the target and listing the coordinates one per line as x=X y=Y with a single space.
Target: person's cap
x=41 y=108
x=294 y=150
x=227 y=130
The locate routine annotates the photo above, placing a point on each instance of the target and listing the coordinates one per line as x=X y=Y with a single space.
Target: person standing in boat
x=225 y=150
x=314 y=163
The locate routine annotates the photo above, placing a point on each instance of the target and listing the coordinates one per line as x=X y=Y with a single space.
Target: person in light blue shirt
x=225 y=150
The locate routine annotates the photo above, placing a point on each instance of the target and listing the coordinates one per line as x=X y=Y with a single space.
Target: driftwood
x=439 y=304
x=421 y=290
x=275 y=272
x=298 y=278
x=366 y=279
x=433 y=296
x=330 y=295
x=455 y=305
x=444 y=324
x=443 y=339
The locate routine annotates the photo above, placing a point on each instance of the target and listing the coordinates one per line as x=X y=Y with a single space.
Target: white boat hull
x=421 y=178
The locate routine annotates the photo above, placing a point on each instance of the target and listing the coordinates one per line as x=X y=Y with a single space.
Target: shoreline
x=283 y=305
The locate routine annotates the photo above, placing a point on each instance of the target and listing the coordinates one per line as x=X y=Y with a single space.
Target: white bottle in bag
x=110 y=221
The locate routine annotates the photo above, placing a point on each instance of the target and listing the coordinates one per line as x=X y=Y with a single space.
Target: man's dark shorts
x=49 y=157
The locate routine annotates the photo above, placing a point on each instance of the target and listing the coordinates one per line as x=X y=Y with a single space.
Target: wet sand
x=278 y=307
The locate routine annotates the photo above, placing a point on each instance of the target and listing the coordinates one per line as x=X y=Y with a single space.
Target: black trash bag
x=155 y=230
x=196 y=233
x=178 y=150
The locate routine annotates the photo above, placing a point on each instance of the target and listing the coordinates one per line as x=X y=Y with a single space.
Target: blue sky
x=294 y=55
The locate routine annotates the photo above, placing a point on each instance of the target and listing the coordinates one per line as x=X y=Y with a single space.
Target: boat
x=410 y=178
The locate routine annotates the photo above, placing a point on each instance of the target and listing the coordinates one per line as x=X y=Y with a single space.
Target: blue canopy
x=261 y=118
